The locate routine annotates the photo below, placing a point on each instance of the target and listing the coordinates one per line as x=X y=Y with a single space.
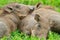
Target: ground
x=20 y=36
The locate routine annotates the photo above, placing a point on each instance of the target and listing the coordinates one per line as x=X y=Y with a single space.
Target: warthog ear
x=37 y=17
x=38 y=5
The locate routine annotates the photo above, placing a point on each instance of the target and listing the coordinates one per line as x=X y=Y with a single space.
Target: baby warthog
x=40 y=22
x=35 y=25
x=51 y=15
x=11 y=15
x=19 y=9
x=8 y=24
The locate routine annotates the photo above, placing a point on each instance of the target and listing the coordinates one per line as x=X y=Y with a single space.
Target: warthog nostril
x=17 y=6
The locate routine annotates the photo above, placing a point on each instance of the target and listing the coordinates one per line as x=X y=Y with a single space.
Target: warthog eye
x=17 y=6
x=39 y=25
x=10 y=8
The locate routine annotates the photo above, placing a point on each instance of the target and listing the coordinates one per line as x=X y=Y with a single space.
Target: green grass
x=20 y=36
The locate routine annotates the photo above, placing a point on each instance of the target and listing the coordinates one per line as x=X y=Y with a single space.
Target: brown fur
x=51 y=18
x=46 y=19
x=8 y=24
x=19 y=9
x=9 y=17
x=35 y=25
